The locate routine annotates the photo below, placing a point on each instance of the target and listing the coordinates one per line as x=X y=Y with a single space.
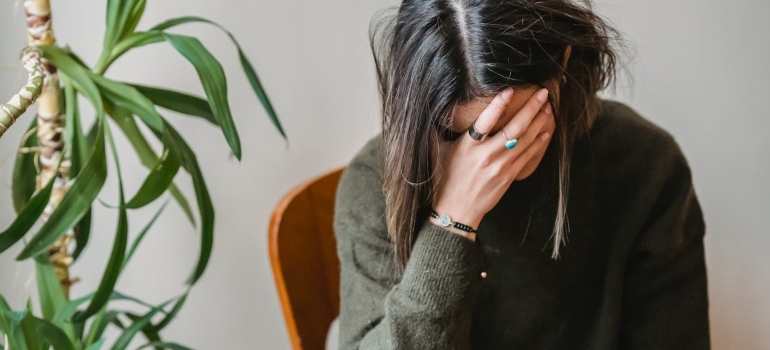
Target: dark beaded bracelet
x=447 y=221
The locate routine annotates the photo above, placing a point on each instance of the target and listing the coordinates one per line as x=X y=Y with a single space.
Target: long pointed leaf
x=125 y=96
x=157 y=182
x=164 y=345
x=11 y=327
x=24 y=181
x=97 y=345
x=27 y=218
x=130 y=332
x=133 y=19
x=115 y=262
x=141 y=235
x=74 y=204
x=132 y=41
x=178 y=102
x=125 y=121
x=78 y=144
x=170 y=316
x=79 y=75
x=50 y=291
x=248 y=68
x=190 y=162
x=212 y=76
x=82 y=234
x=47 y=331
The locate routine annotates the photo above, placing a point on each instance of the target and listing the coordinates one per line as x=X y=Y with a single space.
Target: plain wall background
x=700 y=71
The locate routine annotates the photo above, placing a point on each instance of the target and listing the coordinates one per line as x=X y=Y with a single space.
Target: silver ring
x=509 y=143
x=475 y=134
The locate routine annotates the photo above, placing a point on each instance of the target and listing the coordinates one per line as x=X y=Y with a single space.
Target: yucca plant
x=61 y=168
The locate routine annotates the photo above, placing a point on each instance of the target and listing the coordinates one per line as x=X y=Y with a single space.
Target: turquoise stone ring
x=509 y=143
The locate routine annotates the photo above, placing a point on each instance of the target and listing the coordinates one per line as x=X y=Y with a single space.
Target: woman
x=495 y=147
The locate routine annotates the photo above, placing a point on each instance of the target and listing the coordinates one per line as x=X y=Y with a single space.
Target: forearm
x=431 y=307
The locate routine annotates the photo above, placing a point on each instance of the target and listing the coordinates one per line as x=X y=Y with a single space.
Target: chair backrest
x=303 y=254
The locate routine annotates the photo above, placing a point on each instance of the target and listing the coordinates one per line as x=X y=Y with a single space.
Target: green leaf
x=51 y=294
x=190 y=162
x=170 y=316
x=248 y=68
x=24 y=181
x=78 y=74
x=132 y=41
x=98 y=320
x=74 y=138
x=212 y=76
x=159 y=179
x=47 y=331
x=130 y=332
x=66 y=312
x=115 y=262
x=133 y=19
x=118 y=14
x=97 y=345
x=50 y=291
x=141 y=235
x=164 y=345
x=30 y=333
x=75 y=203
x=100 y=325
x=78 y=145
x=125 y=121
x=82 y=234
x=127 y=97
x=10 y=325
x=27 y=217
x=147 y=331
x=178 y=102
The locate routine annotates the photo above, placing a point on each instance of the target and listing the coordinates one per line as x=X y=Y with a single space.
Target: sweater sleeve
x=429 y=306
x=665 y=301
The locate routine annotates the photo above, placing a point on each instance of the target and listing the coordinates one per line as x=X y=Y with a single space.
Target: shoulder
x=370 y=155
x=624 y=139
x=359 y=192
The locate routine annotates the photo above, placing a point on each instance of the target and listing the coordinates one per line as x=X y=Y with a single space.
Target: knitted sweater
x=632 y=275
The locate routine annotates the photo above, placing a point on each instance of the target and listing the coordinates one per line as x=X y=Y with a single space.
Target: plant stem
x=49 y=134
x=9 y=112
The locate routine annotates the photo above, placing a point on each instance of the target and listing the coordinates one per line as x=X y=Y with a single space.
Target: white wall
x=700 y=71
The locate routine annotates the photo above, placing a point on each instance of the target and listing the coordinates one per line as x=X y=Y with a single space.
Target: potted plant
x=61 y=167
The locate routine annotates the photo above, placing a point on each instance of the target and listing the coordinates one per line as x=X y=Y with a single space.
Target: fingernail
x=542 y=94
x=544 y=136
x=508 y=92
x=548 y=109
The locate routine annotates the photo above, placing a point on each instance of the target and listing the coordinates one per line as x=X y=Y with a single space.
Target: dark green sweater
x=632 y=275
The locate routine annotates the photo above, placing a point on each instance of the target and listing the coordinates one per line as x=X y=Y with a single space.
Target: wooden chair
x=303 y=254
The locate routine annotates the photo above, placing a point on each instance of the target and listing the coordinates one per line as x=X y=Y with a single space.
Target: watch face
x=445 y=220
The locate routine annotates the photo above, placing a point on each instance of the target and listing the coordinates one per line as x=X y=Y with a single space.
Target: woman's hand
x=474 y=175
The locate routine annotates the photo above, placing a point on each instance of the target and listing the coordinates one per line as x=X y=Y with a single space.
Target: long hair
x=433 y=55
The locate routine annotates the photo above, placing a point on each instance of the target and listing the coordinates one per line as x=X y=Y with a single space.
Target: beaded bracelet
x=446 y=221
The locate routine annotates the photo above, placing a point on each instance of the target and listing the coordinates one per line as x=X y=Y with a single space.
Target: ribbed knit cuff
x=443 y=269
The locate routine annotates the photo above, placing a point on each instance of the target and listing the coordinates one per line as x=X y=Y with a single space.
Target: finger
x=519 y=123
x=537 y=145
x=494 y=111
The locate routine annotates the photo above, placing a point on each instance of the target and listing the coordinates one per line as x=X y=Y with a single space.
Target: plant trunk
x=50 y=127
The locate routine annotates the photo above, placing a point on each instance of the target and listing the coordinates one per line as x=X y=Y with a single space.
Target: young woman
x=494 y=148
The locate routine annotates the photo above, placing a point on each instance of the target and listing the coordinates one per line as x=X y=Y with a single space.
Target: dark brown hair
x=434 y=55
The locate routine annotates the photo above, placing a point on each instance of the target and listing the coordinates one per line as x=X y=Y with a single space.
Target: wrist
x=464 y=216
x=468 y=235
